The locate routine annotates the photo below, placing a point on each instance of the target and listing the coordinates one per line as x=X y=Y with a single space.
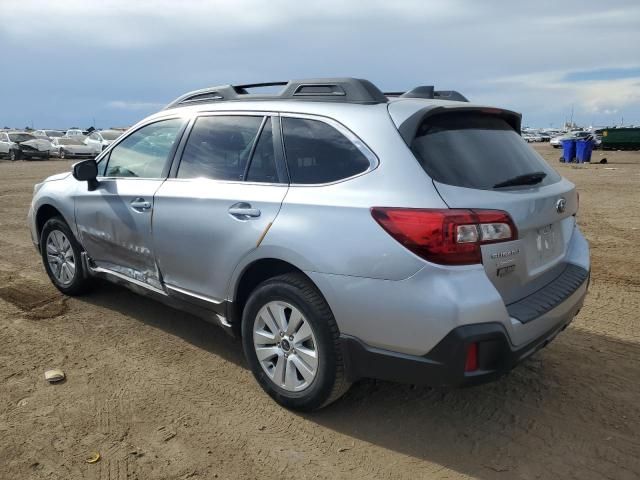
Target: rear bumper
x=444 y=364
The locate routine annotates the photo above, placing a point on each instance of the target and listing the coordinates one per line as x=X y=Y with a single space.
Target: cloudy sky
x=73 y=62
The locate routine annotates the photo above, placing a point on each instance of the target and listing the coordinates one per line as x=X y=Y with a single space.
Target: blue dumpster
x=568 y=150
x=583 y=150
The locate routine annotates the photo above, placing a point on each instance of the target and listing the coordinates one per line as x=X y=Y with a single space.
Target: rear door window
x=475 y=150
x=219 y=147
x=318 y=153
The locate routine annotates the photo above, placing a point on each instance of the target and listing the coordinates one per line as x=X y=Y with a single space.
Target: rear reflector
x=446 y=236
x=471 y=360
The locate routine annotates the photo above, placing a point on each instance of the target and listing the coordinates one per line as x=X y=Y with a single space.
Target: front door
x=226 y=192
x=114 y=221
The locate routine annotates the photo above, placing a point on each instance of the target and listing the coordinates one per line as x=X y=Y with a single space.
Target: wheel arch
x=45 y=212
x=254 y=274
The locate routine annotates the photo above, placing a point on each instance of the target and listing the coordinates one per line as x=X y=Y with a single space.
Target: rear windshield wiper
x=526 y=179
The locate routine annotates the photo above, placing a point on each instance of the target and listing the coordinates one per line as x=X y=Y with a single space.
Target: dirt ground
x=162 y=395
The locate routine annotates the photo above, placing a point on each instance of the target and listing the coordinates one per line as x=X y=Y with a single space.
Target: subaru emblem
x=561 y=205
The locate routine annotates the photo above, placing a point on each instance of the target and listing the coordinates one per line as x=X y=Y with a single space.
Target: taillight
x=446 y=236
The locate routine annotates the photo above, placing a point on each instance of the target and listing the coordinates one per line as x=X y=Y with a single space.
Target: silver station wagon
x=341 y=231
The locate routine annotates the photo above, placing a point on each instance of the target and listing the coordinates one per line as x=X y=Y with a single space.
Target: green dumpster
x=621 y=139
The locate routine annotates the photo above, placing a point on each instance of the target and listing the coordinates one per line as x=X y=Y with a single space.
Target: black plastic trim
x=444 y=365
x=344 y=90
x=550 y=296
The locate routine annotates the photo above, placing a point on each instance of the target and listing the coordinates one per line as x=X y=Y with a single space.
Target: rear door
x=470 y=155
x=218 y=204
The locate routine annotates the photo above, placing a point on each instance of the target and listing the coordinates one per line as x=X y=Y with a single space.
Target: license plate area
x=547 y=242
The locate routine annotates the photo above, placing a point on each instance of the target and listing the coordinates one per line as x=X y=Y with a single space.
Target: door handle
x=140 y=204
x=243 y=211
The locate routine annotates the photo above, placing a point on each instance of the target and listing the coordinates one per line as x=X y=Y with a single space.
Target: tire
x=14 y=155
x=57 y=244
x=295 y=293
x=62 y=155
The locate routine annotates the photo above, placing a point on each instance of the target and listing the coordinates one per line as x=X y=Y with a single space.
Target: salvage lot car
x=445 y=272
x=71 y=148
x=18 y=145
x=101 y=139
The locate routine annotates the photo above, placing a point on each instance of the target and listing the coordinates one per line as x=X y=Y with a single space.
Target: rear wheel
x=291 y=342
x=61 y=256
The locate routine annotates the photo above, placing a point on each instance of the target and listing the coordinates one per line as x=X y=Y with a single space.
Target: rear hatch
x=478 y=160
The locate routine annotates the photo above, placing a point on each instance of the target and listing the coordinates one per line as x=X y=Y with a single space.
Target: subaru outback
x=340 y=232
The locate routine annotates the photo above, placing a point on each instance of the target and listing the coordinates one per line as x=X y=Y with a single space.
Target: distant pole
x=571 y=121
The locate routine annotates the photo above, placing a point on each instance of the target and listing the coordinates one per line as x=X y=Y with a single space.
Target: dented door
x=114 y=223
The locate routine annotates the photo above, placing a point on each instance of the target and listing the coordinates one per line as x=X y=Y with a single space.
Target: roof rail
x=428 y=91
x=344 y=90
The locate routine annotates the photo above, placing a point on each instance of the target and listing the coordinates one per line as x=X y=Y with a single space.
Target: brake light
x=446 y=236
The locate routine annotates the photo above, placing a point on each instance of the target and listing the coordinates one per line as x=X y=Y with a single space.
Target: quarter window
x=144 y=153
x=263 y=162
x=219 y=147
x=318 y=153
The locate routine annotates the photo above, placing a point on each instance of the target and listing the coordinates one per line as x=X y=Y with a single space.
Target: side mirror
x=86 y=171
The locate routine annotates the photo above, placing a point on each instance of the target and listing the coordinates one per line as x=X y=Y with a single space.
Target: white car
x=48 y=134
x=556 y=142
x=102 y=139
x=22 y=145
x=527 y=137
x=65 y=147
x=75 y=132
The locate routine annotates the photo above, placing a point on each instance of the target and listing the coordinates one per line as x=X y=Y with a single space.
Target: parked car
x=339 y=232
x=75 y=132
x=556 y=142
x=48 y=134
x=101 y=139
x=17 y=145
x=544 y=136
x=65 y=147
x=527 y=137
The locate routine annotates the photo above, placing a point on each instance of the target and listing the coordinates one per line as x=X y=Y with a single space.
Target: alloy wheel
x=285 y=346
x=60 y=257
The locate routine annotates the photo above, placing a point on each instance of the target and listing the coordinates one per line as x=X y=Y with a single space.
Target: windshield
x=475 y=150
x=53 y=133
x=110 y=135
x=21 y=137
x=69 y=141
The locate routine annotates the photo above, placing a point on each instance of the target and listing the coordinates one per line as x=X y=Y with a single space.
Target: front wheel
x=61 y=256
x=13 y=155
x=62 y=154
x=291 y=342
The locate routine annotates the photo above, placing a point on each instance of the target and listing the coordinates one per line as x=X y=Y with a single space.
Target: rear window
x=318 y=153
x=475 y=150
